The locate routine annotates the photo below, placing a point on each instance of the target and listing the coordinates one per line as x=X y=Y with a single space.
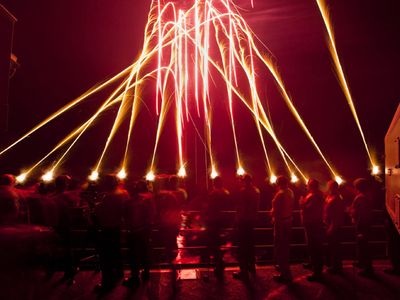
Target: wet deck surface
x=34 y=285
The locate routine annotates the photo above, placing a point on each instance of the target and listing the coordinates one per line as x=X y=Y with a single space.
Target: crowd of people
x=142 y=206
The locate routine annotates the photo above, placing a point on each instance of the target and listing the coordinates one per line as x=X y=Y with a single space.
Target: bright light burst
x=182 y=172
x=94 y=176
x=21 y=178
x=184 y=49
x=376 y=170
x=49 y=176
x=214 y=174
x=240 y=171
x=339 y=180
x=294 y=178
x=150 y=176
x=273 y=179
x=122 y=174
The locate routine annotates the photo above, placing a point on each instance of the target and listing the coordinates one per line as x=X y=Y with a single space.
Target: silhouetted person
x=312 y=207
x=23 y=210
x=60 y=200
x=139 y=215
x=74 y=192
x=214 y=223
x=168 y=218
x=334 y=214
x=9 y=201
x=246 y=216
x=37 y=203
x=282 y=219
x=44 y=210
x=361 y=213
x=109 y=213
x=179 y=192
x=89 y=194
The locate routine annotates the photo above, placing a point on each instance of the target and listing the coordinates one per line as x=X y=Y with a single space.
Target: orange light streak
x=339 y=71
x=160 y=37
x=68 y=107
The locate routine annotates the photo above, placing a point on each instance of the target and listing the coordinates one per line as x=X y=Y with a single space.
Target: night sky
x=67 y=46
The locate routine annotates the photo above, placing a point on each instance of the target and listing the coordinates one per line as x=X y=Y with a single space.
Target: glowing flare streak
x=160 y=36
x=339 y=70
x=228 y=75
x=91 y=120
x=66 y=140
x=67 y=107
x=186 y=70
x=229 y=83
x=296 y=114
x=196 y=58
x=284 y=93
x=179 y=68
x=109 y=103
x=242 y=61
x=264 y=121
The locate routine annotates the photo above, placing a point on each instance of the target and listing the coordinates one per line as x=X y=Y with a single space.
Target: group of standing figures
x=141 y=207
x=322 y=216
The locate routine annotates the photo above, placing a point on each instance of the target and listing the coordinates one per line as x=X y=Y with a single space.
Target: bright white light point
x=21 y=178
x=376 y=170
x=48 y=176
x=122 y=174
x=294 y=178
x=150 y=176
x=94 y=176
x=273 y=179
x=182 y=172
x=214 y=173
x=240 y=171
x=339 y=180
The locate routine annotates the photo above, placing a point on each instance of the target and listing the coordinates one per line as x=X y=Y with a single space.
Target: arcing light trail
x=181 y=42
x=342 y=77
